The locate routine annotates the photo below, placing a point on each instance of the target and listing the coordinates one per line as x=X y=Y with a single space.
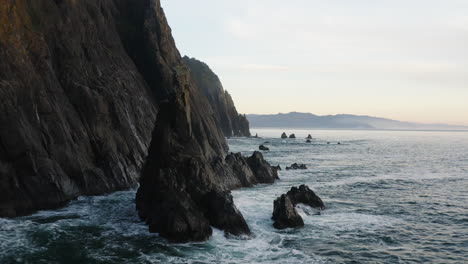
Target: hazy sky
x=400 y=59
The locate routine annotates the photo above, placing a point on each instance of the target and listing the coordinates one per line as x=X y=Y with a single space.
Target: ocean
x=390 y=197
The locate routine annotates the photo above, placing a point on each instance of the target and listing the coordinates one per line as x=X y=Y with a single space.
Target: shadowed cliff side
x=76 y=115
x=231 y=122
x=83 y=84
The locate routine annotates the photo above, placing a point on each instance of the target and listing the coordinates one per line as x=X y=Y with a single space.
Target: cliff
x=77 y=112
x=232 y=123
x=86 y=86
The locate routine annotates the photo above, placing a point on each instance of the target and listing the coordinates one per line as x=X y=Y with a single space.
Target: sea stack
x=284 y=135
x=284 y=211
x=292 y=136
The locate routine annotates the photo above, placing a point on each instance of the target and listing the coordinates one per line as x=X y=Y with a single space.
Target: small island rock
x=262 y=147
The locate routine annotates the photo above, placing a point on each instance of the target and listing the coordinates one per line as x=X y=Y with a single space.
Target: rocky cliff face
x=232 y=123
x=77 y=112
x=86 y=86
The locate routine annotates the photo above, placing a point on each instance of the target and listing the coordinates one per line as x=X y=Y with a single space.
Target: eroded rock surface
x=284 y=212
x=232 y=123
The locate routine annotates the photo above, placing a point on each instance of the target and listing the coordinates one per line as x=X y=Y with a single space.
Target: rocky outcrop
x=284 y=211
x=95 y=93
x=305 y=195
x=284 y=135
x=81 y=84
x=292 y=136
x=296 y=166
x=185 y=186
x=78 y=107
x=284 y=214
x=309 y=136
x=224 y=111
x=308 y=141
x=263 y=147
x=263 y=171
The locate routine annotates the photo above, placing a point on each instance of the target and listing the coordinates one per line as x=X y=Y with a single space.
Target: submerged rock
x=284 y=212
x=308 y=141
x=296 y=166
x=284 y=135
x=292 y=136
x=262 y=147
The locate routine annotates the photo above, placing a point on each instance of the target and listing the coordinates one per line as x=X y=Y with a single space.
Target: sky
x=400 y=59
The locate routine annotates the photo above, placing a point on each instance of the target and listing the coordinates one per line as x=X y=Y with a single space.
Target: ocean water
x=391 y=197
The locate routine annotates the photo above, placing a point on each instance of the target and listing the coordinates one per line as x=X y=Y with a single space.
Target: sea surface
x=391 y=197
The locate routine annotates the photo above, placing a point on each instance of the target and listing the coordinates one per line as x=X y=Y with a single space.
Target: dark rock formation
x=305 y=195
x=296 y=166
x=77 y=110
x=184 y=189
x=309 y=136
x=263 y=171
x=232 y=123
x=284 y=135
x=277 y=167
x=284 y=212
x=308 y=141
x=292 y=136
x=82 y=84
x=247 y=172
x=262 y=147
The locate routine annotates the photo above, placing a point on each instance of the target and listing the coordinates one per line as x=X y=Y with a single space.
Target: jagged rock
x=284 y=135
x=292 y=136
x=262 y=170
x=232 y=123
x=296 y=166
x=308 y=141
x=277 y=167
x=284 y=211
x=223 y=214
x=180 y=193
x=77 y=110
x=305 y=195
x=309 y=136
x=83 y=84
x=284 y=214
x=262 y=147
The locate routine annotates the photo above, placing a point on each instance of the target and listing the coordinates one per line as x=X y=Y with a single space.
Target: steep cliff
x=232 y=123
x=76 y=115
x=86 y=86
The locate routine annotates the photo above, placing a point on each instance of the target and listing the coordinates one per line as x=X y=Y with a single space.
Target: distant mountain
x=342 y=121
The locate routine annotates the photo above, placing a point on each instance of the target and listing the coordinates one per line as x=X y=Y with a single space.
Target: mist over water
x=391 y=197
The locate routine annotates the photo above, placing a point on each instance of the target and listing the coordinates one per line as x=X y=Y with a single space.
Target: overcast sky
x=400 y=59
